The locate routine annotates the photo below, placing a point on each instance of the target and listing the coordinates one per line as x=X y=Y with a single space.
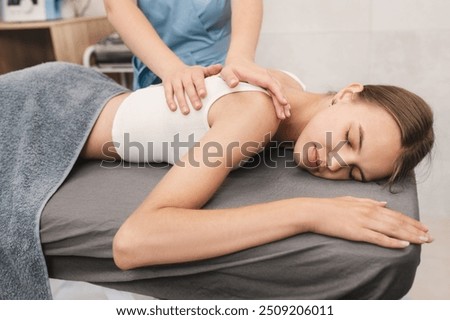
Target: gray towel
x=46 y=115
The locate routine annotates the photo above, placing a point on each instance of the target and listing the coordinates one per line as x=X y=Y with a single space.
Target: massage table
x=79 y=222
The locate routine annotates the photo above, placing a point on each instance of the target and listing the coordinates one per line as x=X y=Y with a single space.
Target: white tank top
x=145 y=130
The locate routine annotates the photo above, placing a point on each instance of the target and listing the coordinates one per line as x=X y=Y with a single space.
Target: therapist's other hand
x=248 y=71
x=187 y=81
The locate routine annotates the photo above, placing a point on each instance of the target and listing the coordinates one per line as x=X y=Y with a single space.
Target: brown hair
x=415 y=119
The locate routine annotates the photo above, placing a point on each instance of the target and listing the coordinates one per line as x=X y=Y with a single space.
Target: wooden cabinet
x=30 y=43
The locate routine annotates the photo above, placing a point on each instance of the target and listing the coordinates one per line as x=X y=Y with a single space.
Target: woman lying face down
x=363 y=133
x=367 y=133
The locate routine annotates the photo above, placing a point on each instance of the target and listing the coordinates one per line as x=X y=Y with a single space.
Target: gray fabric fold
x=47 y=113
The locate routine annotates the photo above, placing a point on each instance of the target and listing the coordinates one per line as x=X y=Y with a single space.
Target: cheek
x=320 y=137
x=316 y=130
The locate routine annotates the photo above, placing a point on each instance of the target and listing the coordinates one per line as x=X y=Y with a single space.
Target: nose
x=332 y=164
x=337 y=161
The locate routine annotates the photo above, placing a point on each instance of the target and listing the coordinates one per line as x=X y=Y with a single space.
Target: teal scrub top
x=198 y=31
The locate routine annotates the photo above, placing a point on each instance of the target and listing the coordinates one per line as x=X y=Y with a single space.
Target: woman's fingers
x=392 y=227
x=365 y=200
x=403 y=227
x=369 y=221
x=384 y=240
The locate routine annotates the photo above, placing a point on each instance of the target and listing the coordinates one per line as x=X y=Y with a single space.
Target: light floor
x=432 y=278
x=433 y=275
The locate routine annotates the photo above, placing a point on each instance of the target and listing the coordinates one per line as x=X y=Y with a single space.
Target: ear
x=347 y=93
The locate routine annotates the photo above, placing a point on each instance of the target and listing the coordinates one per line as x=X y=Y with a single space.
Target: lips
x=312 y=158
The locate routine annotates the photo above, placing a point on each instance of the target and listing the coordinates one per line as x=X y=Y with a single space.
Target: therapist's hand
x=248 y=71
x=187 y=80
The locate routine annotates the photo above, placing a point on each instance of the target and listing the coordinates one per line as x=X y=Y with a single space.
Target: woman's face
x=349 y=140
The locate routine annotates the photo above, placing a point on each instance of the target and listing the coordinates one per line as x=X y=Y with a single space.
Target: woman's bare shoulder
x=244 y=107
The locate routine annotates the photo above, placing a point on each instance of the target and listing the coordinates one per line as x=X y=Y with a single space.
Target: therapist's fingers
x=229 y=77
x=168 y=92
x=194 y=82
x=282 y=111
x=191 y=90
x=198 y=77
x=212 y=70
x=271 y=84
x=188 y=84
x=253 y=74
x=180 y=96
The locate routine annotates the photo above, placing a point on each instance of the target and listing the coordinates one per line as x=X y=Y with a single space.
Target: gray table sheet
x=80 y=220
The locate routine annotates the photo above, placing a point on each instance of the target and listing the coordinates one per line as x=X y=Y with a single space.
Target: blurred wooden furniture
x=30 y=43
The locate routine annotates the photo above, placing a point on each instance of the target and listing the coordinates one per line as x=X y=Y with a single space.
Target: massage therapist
x=180 y=42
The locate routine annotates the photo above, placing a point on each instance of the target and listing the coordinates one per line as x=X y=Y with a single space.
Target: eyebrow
x=361 y=137
x=361 y=140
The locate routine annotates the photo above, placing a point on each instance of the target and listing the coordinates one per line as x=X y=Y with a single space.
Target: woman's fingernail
x=404 y=243
x=424 y=238
x=384 y=203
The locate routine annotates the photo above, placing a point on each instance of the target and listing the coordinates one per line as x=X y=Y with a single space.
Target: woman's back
x=145 y=130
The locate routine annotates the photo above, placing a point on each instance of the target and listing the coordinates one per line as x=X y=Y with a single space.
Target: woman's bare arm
x=170 y=227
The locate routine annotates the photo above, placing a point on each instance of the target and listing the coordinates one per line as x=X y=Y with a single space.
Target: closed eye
x=347 y=138
x=351 y=174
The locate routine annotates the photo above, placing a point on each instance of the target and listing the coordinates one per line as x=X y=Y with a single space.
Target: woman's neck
x=304 y=106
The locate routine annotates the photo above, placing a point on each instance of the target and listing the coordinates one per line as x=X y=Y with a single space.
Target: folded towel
x=46 y=115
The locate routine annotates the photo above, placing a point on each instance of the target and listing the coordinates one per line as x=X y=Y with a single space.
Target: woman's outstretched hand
x=248 y=71
x=366 y=220
x=190 y=81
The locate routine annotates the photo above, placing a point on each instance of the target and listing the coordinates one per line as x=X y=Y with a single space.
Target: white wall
x=330 y=43
x=94 y=7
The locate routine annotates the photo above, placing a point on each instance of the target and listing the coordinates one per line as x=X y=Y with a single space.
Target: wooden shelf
x=30 y=43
